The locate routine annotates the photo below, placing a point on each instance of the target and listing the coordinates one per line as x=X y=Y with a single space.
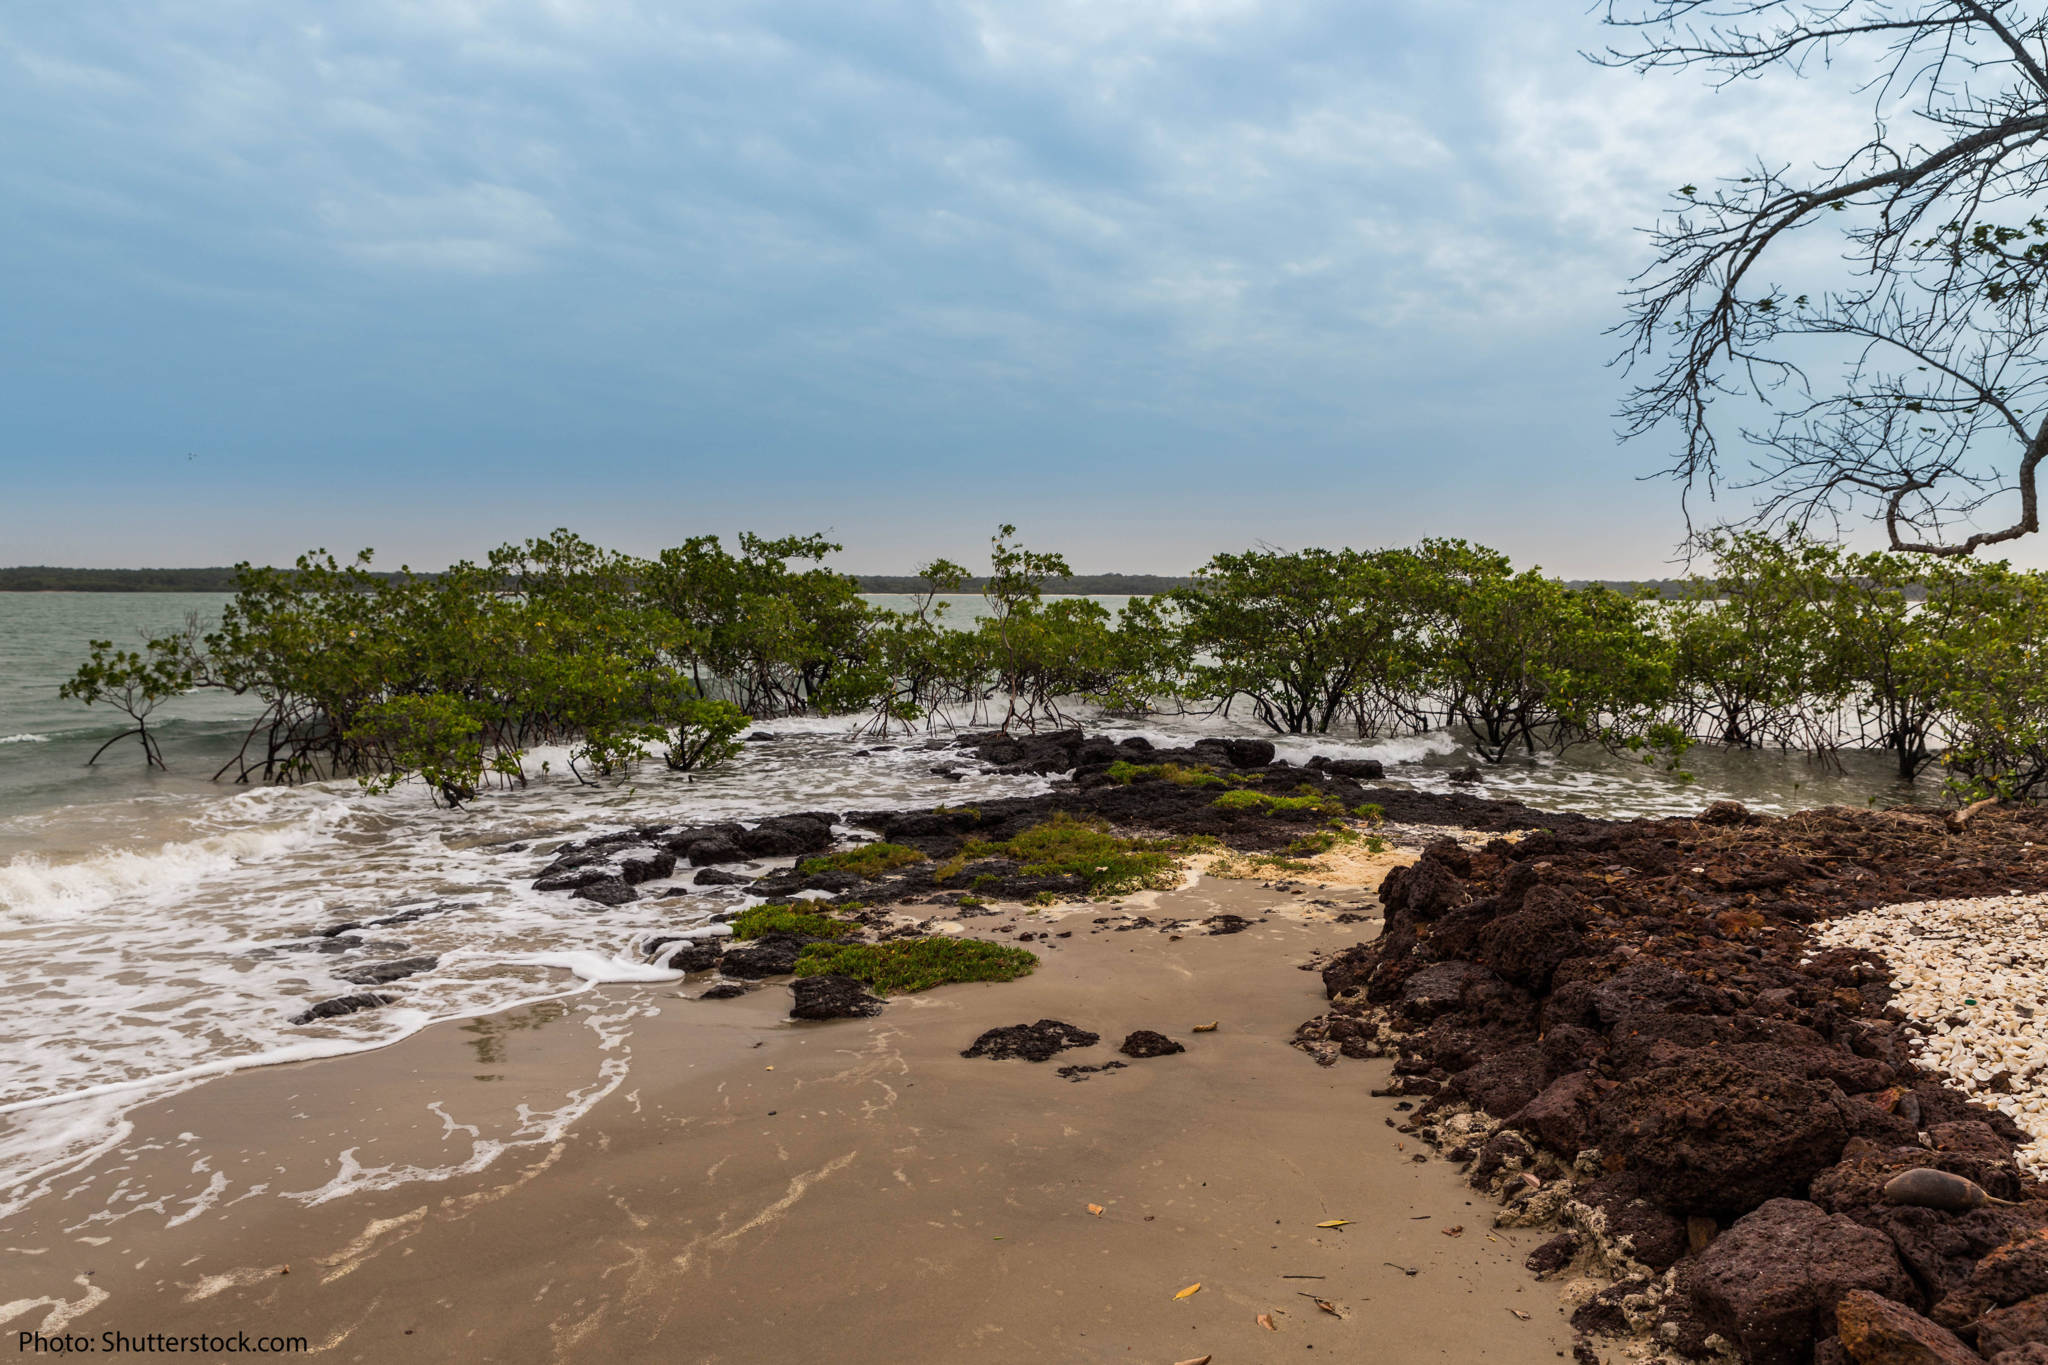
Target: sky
x=1151 y=279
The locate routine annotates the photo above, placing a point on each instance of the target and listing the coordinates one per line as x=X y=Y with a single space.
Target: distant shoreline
x=46 y=578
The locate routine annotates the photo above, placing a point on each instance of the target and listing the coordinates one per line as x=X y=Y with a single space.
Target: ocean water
x=157 y=929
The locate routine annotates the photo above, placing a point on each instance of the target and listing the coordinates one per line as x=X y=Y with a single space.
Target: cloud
x=473 y=228
x=1113 y=240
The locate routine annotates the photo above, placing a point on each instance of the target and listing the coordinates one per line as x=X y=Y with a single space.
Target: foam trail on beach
x=24 y=739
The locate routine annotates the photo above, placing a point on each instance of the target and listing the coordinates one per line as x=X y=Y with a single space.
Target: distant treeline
x=43 y=578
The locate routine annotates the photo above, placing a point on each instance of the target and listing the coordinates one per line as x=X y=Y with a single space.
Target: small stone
x=1146 y=1043
x=342 y=1004
x=832 y=997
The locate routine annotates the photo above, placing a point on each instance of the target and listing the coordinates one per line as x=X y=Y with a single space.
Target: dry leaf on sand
x=1265 y=1320
x=1323 y=1304
x=1209 y=1027
x=1095 y=1209
x=1198 y=1360
x=1194 y=1288
x=1334 y=1223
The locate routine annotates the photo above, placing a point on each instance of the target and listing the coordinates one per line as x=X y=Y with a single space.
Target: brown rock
x=1563 y=1114
x=1709 y=1135
x=2007 y=1274
x=2008 y=1329
x=1877 y=1331
x=1771 y=1282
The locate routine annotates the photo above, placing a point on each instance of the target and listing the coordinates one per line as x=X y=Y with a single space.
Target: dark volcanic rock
x=831 y=997
x=1146 y=1043
x=724 y=990
x=342 y=1004
x=1710 y=1135
x=643 y=863
x=1770 y=1283
x=688 y=954
x=1554 y=1255
x=2008 y=1274
x=787 y=836
x=383 y=973
x=713 y=849
x=1562 y=1116
x=1033 y=1042
x=713 y=876
x=570 y=879
x=1652 y=1236
x=1363 y=769
x=768 y=955
x=610 y=891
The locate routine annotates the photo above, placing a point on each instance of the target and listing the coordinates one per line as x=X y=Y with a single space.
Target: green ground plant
x=1124 y=773
x=789 y=919
x=1307 y=798
x=917 y=964
x=1109 y=864
x=863 y=860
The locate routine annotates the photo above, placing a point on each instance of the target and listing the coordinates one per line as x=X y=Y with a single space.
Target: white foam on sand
x=181 y=947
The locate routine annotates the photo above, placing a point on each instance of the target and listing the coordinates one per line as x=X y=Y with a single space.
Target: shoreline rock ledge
x=1630 y=1033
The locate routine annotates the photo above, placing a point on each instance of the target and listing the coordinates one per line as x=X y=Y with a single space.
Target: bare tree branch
x=1910 y=384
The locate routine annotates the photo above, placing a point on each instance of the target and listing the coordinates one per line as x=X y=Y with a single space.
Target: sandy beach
x=756 y=1190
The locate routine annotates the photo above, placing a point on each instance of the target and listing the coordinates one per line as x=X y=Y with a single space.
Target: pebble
x=1973 y=973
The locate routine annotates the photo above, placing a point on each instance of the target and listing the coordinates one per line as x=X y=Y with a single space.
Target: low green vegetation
x=789 y=919
x=1110 y=864
x=917 y=964
x=1265 y=803
x=1124 y=773
x=863 y=860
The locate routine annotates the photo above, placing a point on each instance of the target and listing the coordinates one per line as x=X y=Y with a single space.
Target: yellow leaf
x=1095 y=1209
x=1328 y=1307
x=1209 y=1027
x=1198 y=1360
x=1334 y=1223
x=1265 y=1320
x=1195 y=1288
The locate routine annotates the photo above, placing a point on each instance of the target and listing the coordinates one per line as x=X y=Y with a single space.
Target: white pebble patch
x=1975 y=973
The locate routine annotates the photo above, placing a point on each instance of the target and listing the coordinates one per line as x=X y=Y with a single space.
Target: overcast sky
x=1150 y=278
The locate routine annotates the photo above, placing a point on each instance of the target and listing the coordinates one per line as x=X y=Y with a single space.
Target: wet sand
x=755 y=1190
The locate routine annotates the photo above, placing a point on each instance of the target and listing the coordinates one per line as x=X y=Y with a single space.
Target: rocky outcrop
x=1632 y=1025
